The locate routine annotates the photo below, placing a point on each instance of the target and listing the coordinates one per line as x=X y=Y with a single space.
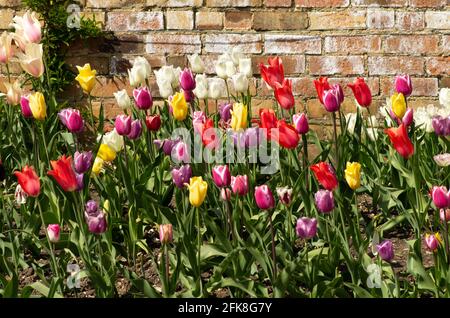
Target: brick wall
x=340 y=39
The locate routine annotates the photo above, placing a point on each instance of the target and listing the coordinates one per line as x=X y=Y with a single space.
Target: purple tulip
x=248 y=138
x=441 y=125
x=264 y=197
x=166 y=145
x=324 y=201
x=403 y=85
x=333 y=98
x=408 y=117
x=91 y=208
x=143 y=98
x=181 y=175
x=306 y=228
x=80 y=183
x=123 y=124
x=82 y=161
x=432 y=241
x=187 y=81
x=225 y=111
x=386 y=250
x=441 y=197
x=97 y=224
x=239 y=185
x=25 y=107
x=71 y=118
x=301 y=123
x=394 y=117
x=136 y=129
x=221 y=176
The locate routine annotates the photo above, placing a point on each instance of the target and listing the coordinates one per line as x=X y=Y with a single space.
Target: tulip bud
x=113 y=140
x=221 y=176
x=306 y=227
x=82 y=161
x=143 y=98
x=398 y=105
x=444 y=215
x=225 y=111
x=53 y=231
x=153 y=123
x=217 y=88
x=196 y=63
x=97 y=224
x=386 y=250
x=408 y=117
x=198 y=120
x=324 y=201
x=440 y=196
x=197 y=191
x=91 y=208
x=333 y=98
x=285 y=195
x=123 y=100
x=240 y=82
x=225 y=194
x=136 y=130
x=13 y=92
x=264 y=197
x=181 y=176
x=301 y=123
x=165 y=88
x=187 y=81
x=432 y=241
x=245 y=67
x=441 y=125
x=123 y=124
x=239 y=185
x=20 y=196
x=71 y=118
x=166 y=145
x=38 y=106
x=165 y=233
x=25 y=107
x=142 y=66
x=403 y=85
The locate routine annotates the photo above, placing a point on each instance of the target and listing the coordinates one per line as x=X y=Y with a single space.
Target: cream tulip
x=28 y=27
x=123 y=99
x=13 y=92
x=197 y=65
x=216 y=88
x=240 y=82
x=6 y=48
x=245 y=67
x=31 y=61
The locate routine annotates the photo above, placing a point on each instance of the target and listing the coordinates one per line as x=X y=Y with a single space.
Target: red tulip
x=64 y=174
x=268 y=120
x=321 y=86
x=362 y=92
x=210 y=139
x=272 y=73
x=325 y=175
x=400 y=140
x=286 y=135
x=29 y=181
x=283 y=94
x=153 y=123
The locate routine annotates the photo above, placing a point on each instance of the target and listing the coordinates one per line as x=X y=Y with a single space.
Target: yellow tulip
x=239 y=117
x=97 y=166
x=86 y=77
x=197 y=191
x=398 y=105
x=353 y=175
x=106 y=153
x=37 y=106
x=179 y=106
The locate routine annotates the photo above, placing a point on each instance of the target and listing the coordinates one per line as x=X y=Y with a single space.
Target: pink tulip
x=221 y=176
x=123 y=124
x=324 y=201
x=301 y=123
x=408 y=117
x=403 y=85
x=53 y=231
x=136 y=129
x=445 y=215
x=143 y=98
x=386 y=250
x=187 y=81
x=285 y=195
x=441 y=197
x=71 y=118
x=264 y=197
x=333 y=98
x=239 y=185
x=432 y=241
x=165 y=233
x=180 y=152
x=306 y=227
x=25 y=107
x=225 y=194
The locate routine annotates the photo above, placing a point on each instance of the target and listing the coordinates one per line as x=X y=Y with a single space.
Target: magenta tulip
x=386 y=250
x=225 y=111
x=143 y=98
x=333 y=98
x=306 y=227
x=264 y=197
x=432 y=241
x=82 y=161
x=71 y=118
x=441 y=197
x=25 y=107
x=136 y=129
x=408 y=117
x=239 y=185
x=324 y=201
x=187 y=81
x=53 y=231
x=123 y=124
x=403 y=85
x=221 y=176
x=300 y=123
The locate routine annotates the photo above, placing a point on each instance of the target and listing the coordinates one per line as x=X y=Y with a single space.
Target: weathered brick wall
x=341 y=39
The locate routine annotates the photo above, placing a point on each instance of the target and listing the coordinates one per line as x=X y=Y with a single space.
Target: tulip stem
x=166 y=260
x=91 y=113
x=8 y=72
x=305 y=160
x=274 y=255
x=199 y=244
x=333 y=114
x=447 y=248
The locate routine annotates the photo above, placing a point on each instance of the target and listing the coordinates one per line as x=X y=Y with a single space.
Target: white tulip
x=176 y=74
x=113 y=140
x=197 y=65
x=165 y=88
x=201 y=79
x=444 y=97
x=216 y=88
x=350 y=118
x=240 y=82
x=221 y=69
x=122 y=98
x=245 y=67
x=230 y=69
x=136 y=77
x=201 y=91
x=236 y=54
x=142 y=66
x=166 y=73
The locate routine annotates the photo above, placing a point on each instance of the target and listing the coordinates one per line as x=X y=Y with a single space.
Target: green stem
x=274 y=255
x=199 y=244
x=333 y=115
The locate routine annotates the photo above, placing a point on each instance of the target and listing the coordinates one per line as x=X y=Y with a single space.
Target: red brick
x=380 y=19
x=179 y=20
x=175 y=3
x=263 y=20
x=135 y=21
x=415 y=103
x=412 y=44
x=353 y=44
x=233 y=3
x=292 y=64
x=238 y=20
x=381 y=3
x=384 y=65
x=219 y=43
x=427 y=3
x=444 y=82
x=330 y=65
x=446 y=43
x=173 y=43
x=282 y=43
x=409 y=21
x=438 y=65
x=206 y=20
x=321 y=3
x=278 y=3
x=437 y=19
x=421 y=86
x=349 y=19
x=113 y=3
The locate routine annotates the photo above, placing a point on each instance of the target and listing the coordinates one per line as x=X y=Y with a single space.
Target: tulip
x=135 y=77
x=400 y=140
x=386 y=250
x=136 y=130
x=324 y=201
x=143 y=98
x=239 y=116
x=167 y=145
x=197 y=191
x=201 y=86
x=29 y=181
x=187 y=81
x=165 y=88
x=239 y=185
x=38 y=106
x=181 y=176
x=441 y=197
x=403 y=85
x=64 y=174
x=166 y=74
x=283 y=94
x=361 y=92
x=198 y=120
x=71 y=118
x=106 y=153
x=252 y=137
x=408 y=117
x=31 y=61
x=216 y=88
x=268 y=121
x=153 y=123
x=230 y=69
x=285 y=195
x=80 y=181
x=240 y=83
x=53 y=231
x=6 y=48
x=441 y=125
x=123 y=124
x=321 y=85
x=353 y=175
x=245 y=67
x=97 y=224
x=97 y=166
x=25 y=106
x=225 y=194
x=82 y=161
x=86 y=77
x=442 y=160
x=142 y=67
x=444 y=96
x=264 y=197
x=123 y=100
x=180 y=152
x=235 y=54
x=300 y=123
x=113 y=140
x=272 y=73
x=306 y=227
x=196 y=63
x=165 y=233
x=325 y=175
x=179 y=106
x=221 y=67
x=432 y=241
x=221 y=176
x=225 y=111
x=20 y=195
x=210 y=138
x=91 y=208
x=333 y=98
x=444 y=215
x=286 y=135
x=28 y=27
x=13 y=92
x=398 y=105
